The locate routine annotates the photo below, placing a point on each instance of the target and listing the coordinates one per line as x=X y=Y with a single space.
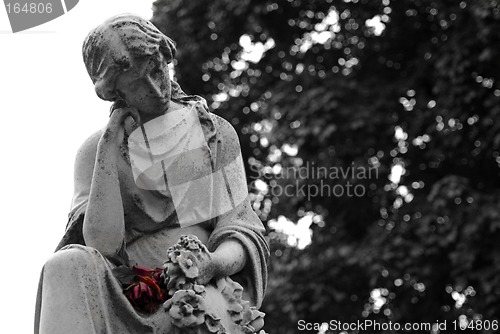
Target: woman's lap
x=79 y=294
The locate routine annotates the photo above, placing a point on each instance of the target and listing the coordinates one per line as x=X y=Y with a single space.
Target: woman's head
x=126 y=58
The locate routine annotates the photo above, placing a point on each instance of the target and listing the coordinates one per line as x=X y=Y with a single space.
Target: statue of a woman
x=160 y=186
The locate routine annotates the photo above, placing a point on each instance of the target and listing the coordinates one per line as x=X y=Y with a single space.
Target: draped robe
x=77 y=285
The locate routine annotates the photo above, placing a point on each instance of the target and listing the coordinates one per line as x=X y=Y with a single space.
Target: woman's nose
x=105 y=90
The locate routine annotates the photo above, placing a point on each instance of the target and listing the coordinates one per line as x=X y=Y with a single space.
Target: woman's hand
x=228 y=259
x=114 y=130
x=189 y=261
x=207 y=268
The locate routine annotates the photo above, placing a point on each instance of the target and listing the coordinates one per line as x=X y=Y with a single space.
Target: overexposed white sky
x=48 y=108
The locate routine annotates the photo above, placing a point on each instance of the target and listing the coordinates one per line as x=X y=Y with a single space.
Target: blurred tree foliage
x=409 y=87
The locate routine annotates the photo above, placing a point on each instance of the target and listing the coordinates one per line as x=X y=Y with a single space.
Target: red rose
x=147 y=291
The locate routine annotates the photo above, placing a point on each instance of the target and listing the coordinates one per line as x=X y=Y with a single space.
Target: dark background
x=423 y=94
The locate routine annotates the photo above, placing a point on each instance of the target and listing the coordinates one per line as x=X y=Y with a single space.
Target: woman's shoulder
x=88 y=149
x=226 y=131
x=85 y=160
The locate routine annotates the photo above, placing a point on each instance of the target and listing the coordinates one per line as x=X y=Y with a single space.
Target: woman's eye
x=123 y=64
x=155 y=71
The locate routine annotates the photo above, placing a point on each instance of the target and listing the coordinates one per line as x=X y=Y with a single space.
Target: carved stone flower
x=187 y=307
x=182 y=266
x=254 y=319
x=192 y=243
x=213 y=323
x=175 y=278
x=187 y=262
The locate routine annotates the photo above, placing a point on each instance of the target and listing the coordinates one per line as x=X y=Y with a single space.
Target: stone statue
x=161 y=237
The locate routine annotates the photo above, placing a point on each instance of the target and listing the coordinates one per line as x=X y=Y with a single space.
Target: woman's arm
x=229 y=258
x=103 y=225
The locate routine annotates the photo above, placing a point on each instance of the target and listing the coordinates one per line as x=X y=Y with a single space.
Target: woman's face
x=125 y=60
x=145 y=85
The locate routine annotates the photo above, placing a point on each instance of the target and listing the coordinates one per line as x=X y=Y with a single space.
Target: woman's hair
x=114 y=42
x=111 y=47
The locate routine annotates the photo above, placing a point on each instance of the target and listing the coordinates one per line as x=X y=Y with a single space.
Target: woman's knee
x=72 y=256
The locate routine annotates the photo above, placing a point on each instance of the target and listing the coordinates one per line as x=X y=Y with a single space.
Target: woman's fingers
x=118 y=115
x=115 y=129
x=134 y=113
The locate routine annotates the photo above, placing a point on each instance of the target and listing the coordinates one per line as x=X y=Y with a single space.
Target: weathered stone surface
x=214 y=267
